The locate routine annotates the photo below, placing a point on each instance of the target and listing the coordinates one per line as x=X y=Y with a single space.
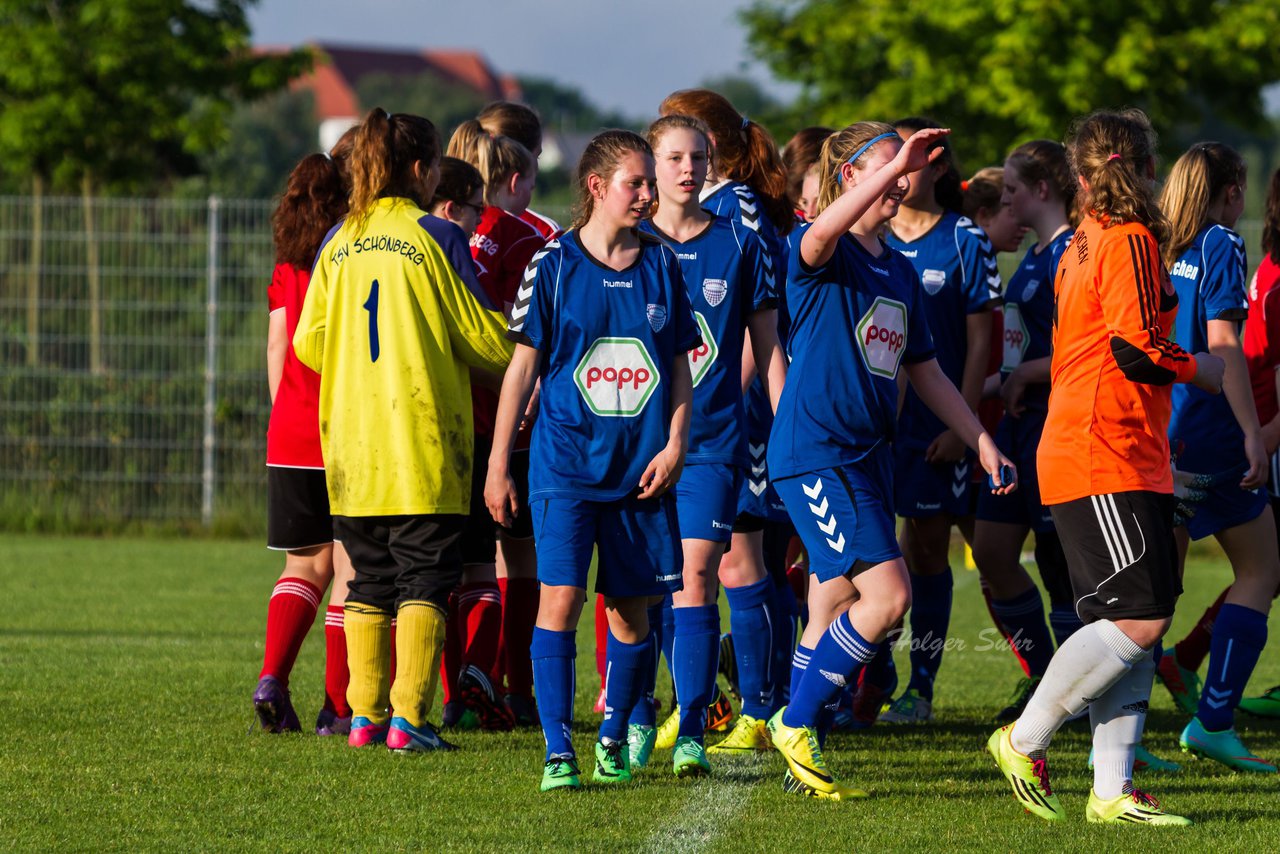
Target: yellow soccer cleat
x=799 y=746
x=1135 y=807
x=667 y=731
x=750 y=735
x=1028 y=777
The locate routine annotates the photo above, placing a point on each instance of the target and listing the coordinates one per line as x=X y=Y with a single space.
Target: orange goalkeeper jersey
x=1113 y=366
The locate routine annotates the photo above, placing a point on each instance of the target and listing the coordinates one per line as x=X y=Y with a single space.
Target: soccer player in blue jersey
x=731 y=289
x=603 y=321
x=858 y=316
x=1220 y=457
x=1039 y=190
x=747 y=182
x=957 y=269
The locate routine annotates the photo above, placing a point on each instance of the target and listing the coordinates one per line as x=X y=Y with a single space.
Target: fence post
x=210 y=367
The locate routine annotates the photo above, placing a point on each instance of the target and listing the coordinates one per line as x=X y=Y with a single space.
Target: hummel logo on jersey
x=687 y=256
x=617 y=283
x=1184 y=270
x=616 y=377
x=909 y=253
x=882 y=336
x=881 y=270
x=825 y=525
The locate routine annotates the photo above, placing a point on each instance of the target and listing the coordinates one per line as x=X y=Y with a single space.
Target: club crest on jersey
x=1030 y=290
x=657 y=316
x=882 y=337
x=616 y=377
x=714 y=290
x=702 y=357
x=933 y=280
x=1016 y=339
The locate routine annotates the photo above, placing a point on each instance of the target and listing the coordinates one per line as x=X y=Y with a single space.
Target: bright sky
x=625 y=56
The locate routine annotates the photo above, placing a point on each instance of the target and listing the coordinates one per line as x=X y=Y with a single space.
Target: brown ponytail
x=798 y=157
x=1201 y=173
x=383 y=156
x=1112 y=152
x=496 y=157
x=744 y=151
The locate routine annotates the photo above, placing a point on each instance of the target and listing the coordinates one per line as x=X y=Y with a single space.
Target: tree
x=265 y=140
x=446 y=104
x=1003 y=71
x=565 y=109
x=122 y=93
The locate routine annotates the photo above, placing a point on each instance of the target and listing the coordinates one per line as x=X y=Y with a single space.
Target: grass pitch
x=126 y=668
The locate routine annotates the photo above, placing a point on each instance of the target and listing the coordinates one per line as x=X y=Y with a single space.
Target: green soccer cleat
x=793 y=786
x=1266 y=706
x=1028 y=777
x=613 y=762
x=1183 y=684
x=561 y=772
x=640 y=741
x=1134 y=807
x=910 y=708
x=749 y=735
x=1224 y=746
x=799 y=746
x=690 y=758
x=1021 y=695
x=668 y=730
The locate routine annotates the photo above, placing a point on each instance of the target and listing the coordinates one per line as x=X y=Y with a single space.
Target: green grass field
x=126 y=668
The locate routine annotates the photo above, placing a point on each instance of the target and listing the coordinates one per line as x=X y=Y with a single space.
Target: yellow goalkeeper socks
x=368 y=631
x=419 y=641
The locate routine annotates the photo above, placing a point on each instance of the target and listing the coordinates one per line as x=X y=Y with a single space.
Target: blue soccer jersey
x=1209 y=278
x=607 y=338
x=728 y=279
x=737 y=202
x=855 y=320
x=956 y=264
x=1028 y=315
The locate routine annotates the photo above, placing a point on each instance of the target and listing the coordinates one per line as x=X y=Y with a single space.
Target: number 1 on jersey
x=371 y=306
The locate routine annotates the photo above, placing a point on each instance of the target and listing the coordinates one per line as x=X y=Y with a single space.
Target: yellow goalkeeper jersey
x=392 y=319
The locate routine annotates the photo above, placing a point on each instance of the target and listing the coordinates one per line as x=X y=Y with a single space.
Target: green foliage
x=1003 y=71
x=125 y=92
x=265 y=140
x=565 y=109
x=446 y=104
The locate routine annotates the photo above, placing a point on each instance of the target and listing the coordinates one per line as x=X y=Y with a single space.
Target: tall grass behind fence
x=132 y=381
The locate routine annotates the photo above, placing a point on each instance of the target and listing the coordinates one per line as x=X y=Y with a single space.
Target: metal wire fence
x=132 y=380
x=132 y=386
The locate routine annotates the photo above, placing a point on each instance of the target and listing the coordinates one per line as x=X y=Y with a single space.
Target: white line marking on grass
x=708 y=813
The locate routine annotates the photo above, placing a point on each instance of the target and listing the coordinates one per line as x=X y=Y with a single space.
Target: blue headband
x=861 y=151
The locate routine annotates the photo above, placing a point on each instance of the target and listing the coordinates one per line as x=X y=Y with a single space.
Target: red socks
x=336 y=674
x=480 y=614
x=290 y=613
x=451 y=654
x=519 y=615
x=1192 y=650
x=602 y=636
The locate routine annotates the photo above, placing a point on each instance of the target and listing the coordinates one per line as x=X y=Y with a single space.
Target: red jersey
x=501 y=247
x=293 y=433
x=1113 y=367
x=1262 y=337
x=545 y=225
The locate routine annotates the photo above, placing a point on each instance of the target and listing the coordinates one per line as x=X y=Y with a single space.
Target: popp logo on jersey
x=616 y=377
x=702 y=357
x=882 y=336
x=1016 y=338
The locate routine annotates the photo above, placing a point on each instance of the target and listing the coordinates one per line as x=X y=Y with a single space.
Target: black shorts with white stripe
x=1121 y=555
